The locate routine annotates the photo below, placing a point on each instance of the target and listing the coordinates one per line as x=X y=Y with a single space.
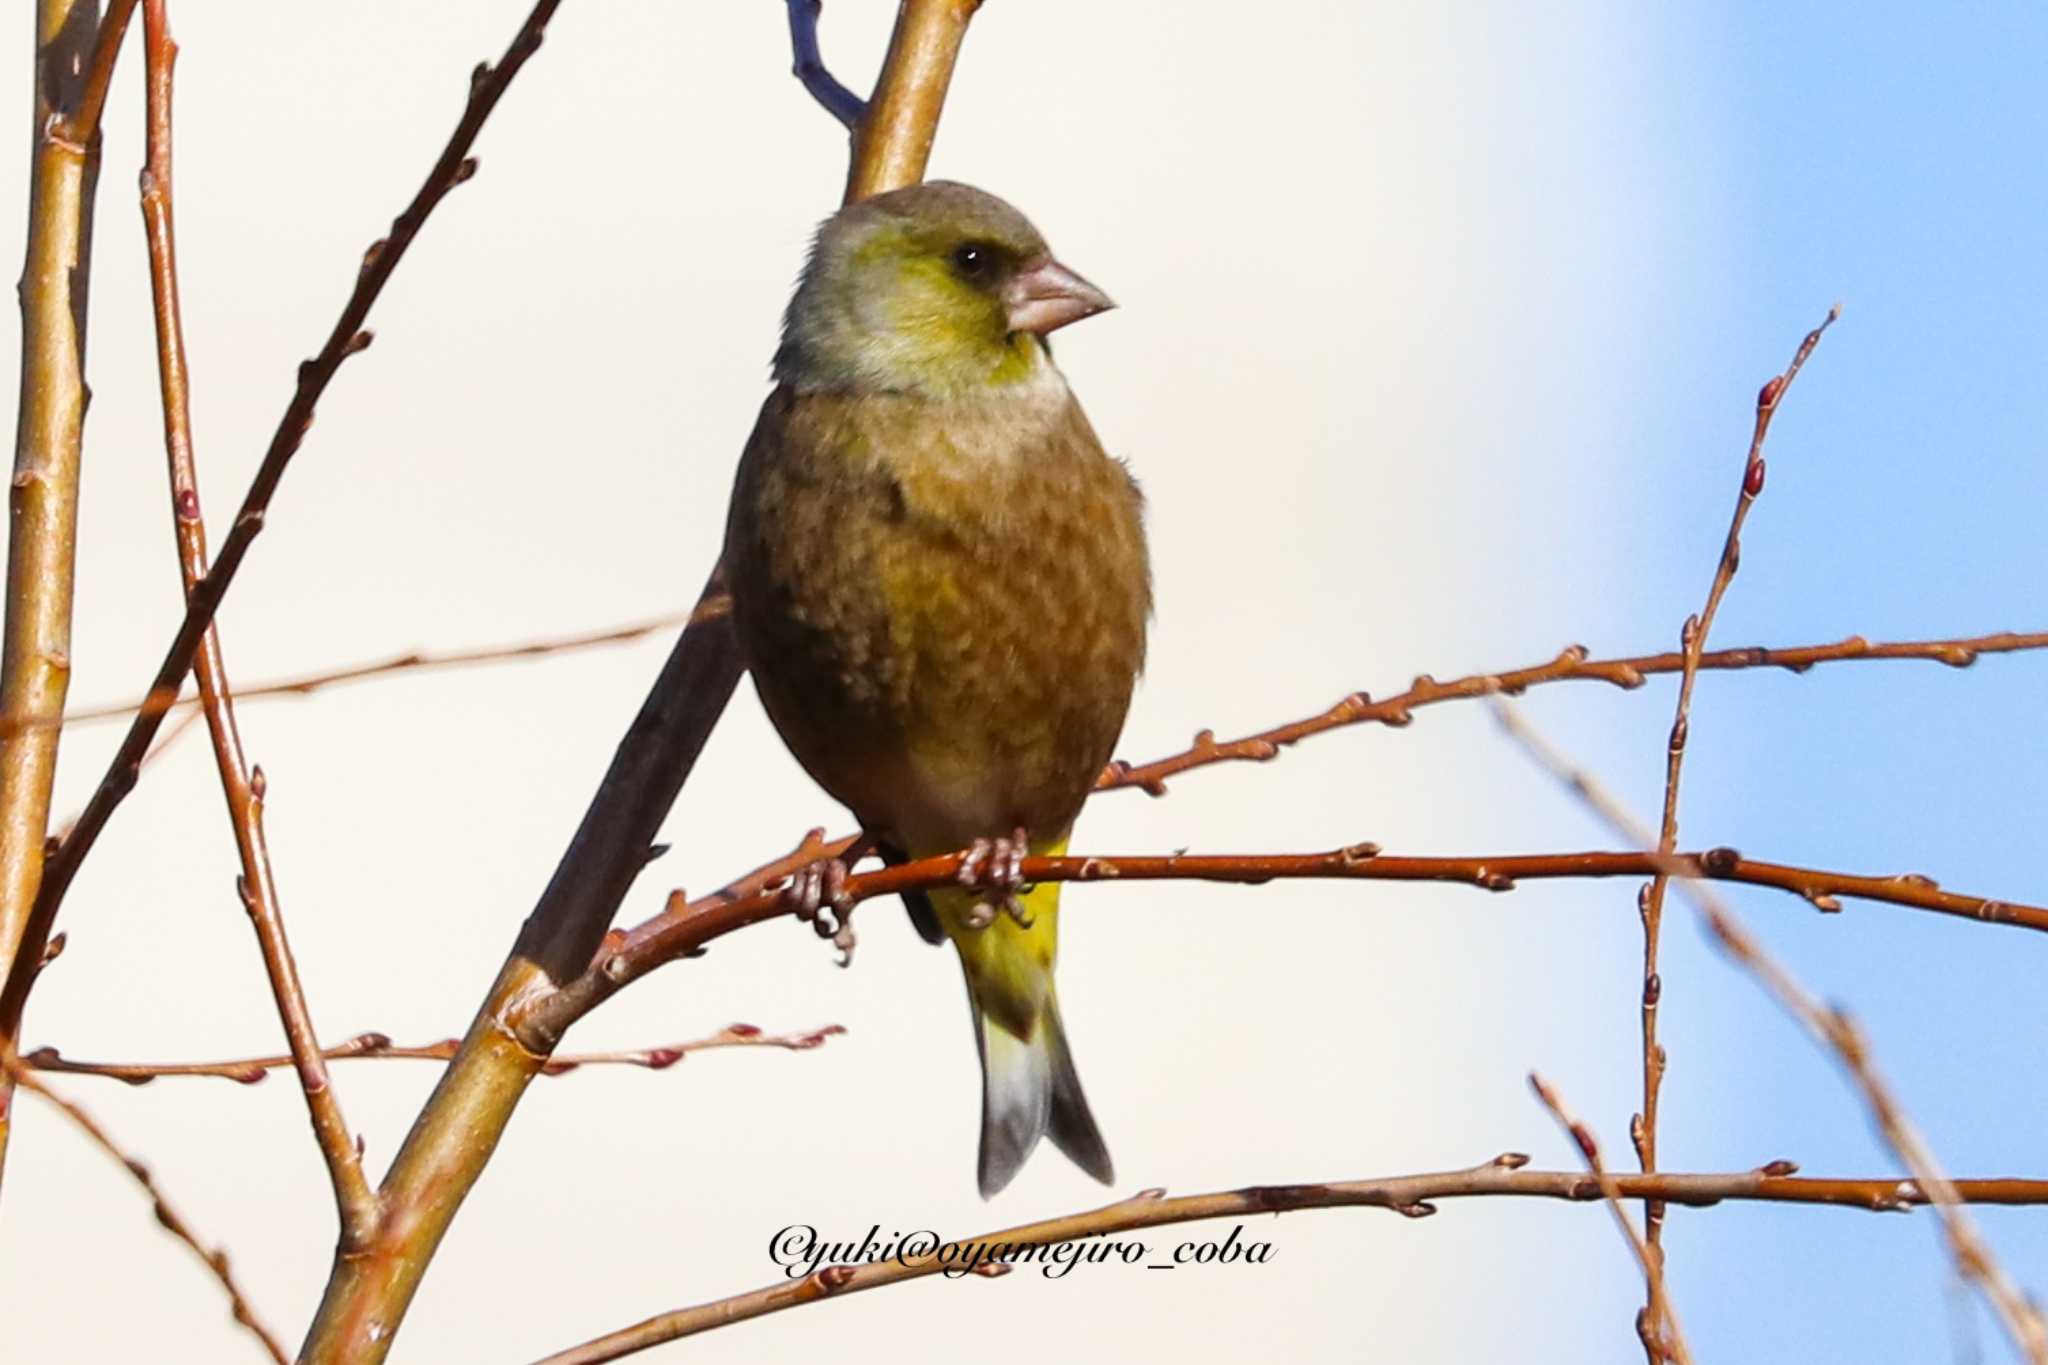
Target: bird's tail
x=1029 y=1088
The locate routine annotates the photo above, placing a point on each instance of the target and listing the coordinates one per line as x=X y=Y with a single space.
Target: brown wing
x=812 y=628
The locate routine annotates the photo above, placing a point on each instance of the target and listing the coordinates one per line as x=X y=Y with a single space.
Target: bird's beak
x=1045 y=296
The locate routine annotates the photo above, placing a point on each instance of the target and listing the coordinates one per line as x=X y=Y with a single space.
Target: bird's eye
x=973 y=260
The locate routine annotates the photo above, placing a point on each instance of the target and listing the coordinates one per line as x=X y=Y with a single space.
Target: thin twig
x=448 y=1145
x=1692 y=641
x=424 y=661
x=835 y=99
x=177 y=730
x=39 y=595
x=372 y=1046
x=1834 y=1029
x=1570 y=665
x=1413 y=1196
x=1354 y=710
x=74 y=62
x=1663 y=1334
x=487 y=85
x=244 y=787
x=174 y=732
x=685 y=926
x=172 y=1221
x=1357 y=709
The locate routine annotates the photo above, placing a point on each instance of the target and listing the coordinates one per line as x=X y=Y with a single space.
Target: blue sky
x=1888 y=158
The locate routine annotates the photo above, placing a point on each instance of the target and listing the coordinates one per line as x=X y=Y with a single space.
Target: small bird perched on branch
x=940 y=583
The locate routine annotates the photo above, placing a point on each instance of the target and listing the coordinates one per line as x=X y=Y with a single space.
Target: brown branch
x=452 y=1140
x=487 y=86
x=1414 y=1196
x=176 y=731
x=36 y=667
x=809 y=67
x=74 y=62
x=1693 y=641
x=1357 y=709
x=373 y=1046
x=1396 y=711
x=1659 y=1328
x=80 y=124
x=172 y=1221
x=1571 y=665
x=892 y=145
x=1833 y=1028
x=422 y=661
x=684 y=927
x=355 y=1201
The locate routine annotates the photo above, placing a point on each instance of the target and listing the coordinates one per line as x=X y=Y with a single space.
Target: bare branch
x=1571 y=665
x=487 y=85
x=1693 y=641
x=75 y=57
x=1413 y=1196
x=448 y=1146
x=685 y=926
x=165 y=742
x=892 y=145
x=1834 y=1029
x=36 y=669
x=1661 y=1333
x=1832 y=1026
x=850 y=109
x=1354 y=710
x=172 y=1221
x=355 y=1201
x=372 y=1046
x=81 y=124
x=422 y=661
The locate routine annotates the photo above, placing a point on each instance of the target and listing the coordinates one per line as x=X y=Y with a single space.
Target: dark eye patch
x=976 y=261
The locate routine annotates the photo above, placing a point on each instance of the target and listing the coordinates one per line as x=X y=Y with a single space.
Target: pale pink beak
x=1045 y=296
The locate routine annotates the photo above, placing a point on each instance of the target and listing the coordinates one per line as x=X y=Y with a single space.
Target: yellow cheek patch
x=933 y=306
x=1020 y=360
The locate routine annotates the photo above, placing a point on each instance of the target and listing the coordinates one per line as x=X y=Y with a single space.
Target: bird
x=941 y=587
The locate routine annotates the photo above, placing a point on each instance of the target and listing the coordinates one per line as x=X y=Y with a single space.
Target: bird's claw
x=817 y=895
x=996 y=868
x=984 y=912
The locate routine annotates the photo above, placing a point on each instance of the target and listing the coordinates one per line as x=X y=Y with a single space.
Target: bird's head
x=938 y=289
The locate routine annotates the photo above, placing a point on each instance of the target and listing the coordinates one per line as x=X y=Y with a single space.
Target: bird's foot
x=995 y=868
x=817 y=895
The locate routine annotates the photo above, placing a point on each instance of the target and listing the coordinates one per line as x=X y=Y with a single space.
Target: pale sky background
x=1440 y=330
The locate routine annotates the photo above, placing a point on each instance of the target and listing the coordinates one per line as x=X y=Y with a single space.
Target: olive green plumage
x=940 y=584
